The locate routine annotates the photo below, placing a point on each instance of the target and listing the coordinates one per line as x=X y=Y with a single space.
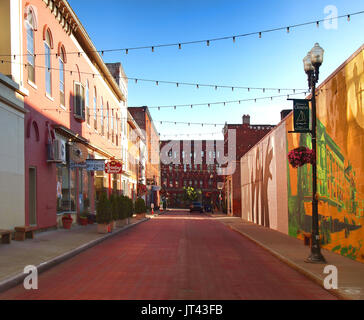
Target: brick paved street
x=173 y=256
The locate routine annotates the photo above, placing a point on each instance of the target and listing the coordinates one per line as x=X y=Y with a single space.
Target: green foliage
x=114 y=206
x=191 y=194
x=140 y=206
x=103 y=209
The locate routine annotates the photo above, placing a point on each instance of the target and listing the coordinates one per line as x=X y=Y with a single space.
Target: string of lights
x=154 y=121
x=286 y=28
x=157 y=82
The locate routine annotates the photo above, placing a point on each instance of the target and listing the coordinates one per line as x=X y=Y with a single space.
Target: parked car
x=196 y=206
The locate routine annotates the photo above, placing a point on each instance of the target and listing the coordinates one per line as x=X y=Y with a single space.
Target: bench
x=5 y=236
x=24 y=232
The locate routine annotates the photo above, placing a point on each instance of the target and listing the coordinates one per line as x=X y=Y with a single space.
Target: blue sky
x=275 y=60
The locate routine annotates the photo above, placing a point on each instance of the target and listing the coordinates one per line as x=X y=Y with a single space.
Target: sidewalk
x=48 y=249
x=292 y=251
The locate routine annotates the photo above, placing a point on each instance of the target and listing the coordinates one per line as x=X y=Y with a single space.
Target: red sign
x=113 y=166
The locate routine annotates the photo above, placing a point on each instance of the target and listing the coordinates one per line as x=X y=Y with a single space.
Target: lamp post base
x=315 y=258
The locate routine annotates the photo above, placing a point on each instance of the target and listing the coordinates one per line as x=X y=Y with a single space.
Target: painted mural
x=340 y=164
x=264 y=188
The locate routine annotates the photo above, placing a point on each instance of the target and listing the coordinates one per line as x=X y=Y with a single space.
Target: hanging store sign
x=95 y=165
x=301 y=115
x=113 y=167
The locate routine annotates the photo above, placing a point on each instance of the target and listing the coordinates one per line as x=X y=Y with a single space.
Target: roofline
x=91 y=51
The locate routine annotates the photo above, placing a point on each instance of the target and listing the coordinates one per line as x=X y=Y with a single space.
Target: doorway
x=32 y=196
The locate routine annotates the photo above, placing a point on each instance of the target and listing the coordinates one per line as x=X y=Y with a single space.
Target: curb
x=19 y=278
x=293 y=265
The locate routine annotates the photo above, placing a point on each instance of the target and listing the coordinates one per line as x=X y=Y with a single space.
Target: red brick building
x=247 y=136
x=76 y=110
x=143 y=118
x=191 y=164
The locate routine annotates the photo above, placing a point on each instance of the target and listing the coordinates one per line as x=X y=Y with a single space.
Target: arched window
x=62 y=59
x=47 y=56
x=95 y=108
x=31 y=27
x=87 y=104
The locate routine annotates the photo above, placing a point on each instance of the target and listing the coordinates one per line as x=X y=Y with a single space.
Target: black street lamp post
x=312 y=63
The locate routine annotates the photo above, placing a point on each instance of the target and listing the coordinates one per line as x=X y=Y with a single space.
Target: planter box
x=112 y=225
x=140 y=215
x=103 y=228
x=121 y=223
x=83 y=221
x=67 y=223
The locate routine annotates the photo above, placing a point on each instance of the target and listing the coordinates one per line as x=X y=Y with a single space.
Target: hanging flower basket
x=300 y=156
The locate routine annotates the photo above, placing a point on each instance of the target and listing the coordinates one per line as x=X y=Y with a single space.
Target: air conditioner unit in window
x=57 y=151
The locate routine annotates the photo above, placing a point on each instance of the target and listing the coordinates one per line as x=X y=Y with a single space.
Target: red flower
x=300 y=156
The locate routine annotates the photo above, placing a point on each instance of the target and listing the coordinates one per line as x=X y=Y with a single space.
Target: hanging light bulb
x=174 y=107
x=348 y=17
x=279 y=90
x=156 y=82
x=215 y=87
x=136 y=80
x=159 y=108
x=234 y=39
x=263 y=89
x=317 y=24
x=152 y=49
x=102 y=53
x=232 y=88
x=287 y=29
x=208 y=42
x=260 y=34
x=191 y=106
x=197 y=86
x=177 y=84
x=126 y=51
x=179 y=46
x=208 y=105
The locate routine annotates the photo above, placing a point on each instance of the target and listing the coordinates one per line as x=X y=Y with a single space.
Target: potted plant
x=114 y=210
x=67 y=221
x=103 y=216
x=300 y=156
x=83 y=218
x=140 y=208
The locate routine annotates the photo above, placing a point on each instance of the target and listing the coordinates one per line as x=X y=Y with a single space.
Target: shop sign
x=301 y=115
x=95 y=164
x=113 y=167
x=81 y=165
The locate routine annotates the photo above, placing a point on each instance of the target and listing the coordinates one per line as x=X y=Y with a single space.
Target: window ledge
x=32 y=84
x=49 y=97
x=62 y=107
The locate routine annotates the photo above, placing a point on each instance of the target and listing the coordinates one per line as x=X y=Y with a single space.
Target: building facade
x=247 y=135
x=76 y=111
x=144 y=120
x=186 y=163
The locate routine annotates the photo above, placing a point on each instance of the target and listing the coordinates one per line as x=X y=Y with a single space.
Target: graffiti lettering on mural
x=31 y=280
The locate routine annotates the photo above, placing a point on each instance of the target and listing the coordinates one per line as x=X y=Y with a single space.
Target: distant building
x=143 y=118
x=247 y=135
x=195 y=166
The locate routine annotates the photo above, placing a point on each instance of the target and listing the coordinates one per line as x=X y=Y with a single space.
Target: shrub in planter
x=67 y=221
x=140 y=208
x=121 y=211
x=104 y=215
